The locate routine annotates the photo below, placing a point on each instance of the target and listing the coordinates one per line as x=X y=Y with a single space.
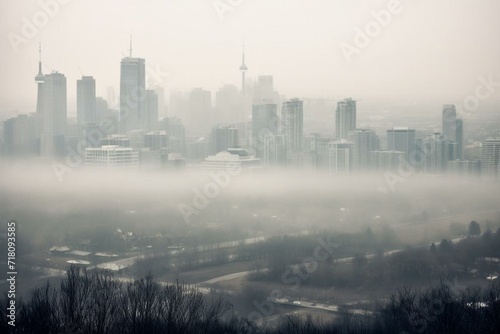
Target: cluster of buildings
x=249 y=127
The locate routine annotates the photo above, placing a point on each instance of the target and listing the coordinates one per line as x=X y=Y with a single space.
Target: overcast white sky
x=431 y=50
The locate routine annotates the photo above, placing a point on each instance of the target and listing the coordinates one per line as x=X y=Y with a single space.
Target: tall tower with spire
x=51 y=111
x=39 y=79
x=243 y=69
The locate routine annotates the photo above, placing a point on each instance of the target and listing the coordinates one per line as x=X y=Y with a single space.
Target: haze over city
x=253 y=167
x=423 y=54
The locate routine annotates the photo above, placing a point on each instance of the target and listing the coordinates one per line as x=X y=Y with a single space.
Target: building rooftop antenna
x=39 y=78
x=130 y=45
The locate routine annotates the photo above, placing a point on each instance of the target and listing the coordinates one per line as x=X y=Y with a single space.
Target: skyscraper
x=339 y=157
x=453 y=128
x=132 y=93
x=459 y=138
x=401 y=139
x=292 y=118
x=386 y=161
x=264 y=123
x=19 y=136
x=228 y=107
x=264 y=90
x=490 y=159
x=436 y=152
x=274 y=150
x=86 y=100
x=200 y=110
x=464 y=167
x=364 y=142
x=53 y=115
x=449 y=122
x=151 y=110
x=345 y=118
x=222 y=138
x=177 y=132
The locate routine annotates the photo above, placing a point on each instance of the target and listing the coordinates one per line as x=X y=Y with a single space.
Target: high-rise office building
x=364 y=142
x=453 y=128
x=387 y=161
x=51 y=111
x=339 y=157
x=264 y=123
x=459 y=138
x=197 y=149
x=464 y=167
x=199 y=111
x=490 y=159
x=449 y=122
x=20 y=136
x=177 y=132
x=86 y=100
x=292 y=120
x=434 y=152
x=274 y=150
x=401 y=139
x=321 y=145
x=157 y=140
x=222 y=138
x=132 y=93
x=263 y=92
x=228 y=106
x=345 y=118
x=101 y=109
x=151 y=110
x=54 y=115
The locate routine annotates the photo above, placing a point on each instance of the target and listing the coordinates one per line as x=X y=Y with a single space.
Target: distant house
x=59 y=250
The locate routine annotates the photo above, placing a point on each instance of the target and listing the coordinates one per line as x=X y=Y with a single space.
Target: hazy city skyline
x=419 y=55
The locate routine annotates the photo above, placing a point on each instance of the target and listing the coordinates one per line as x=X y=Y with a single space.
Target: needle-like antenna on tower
x=130 y=45
x=40 y=57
